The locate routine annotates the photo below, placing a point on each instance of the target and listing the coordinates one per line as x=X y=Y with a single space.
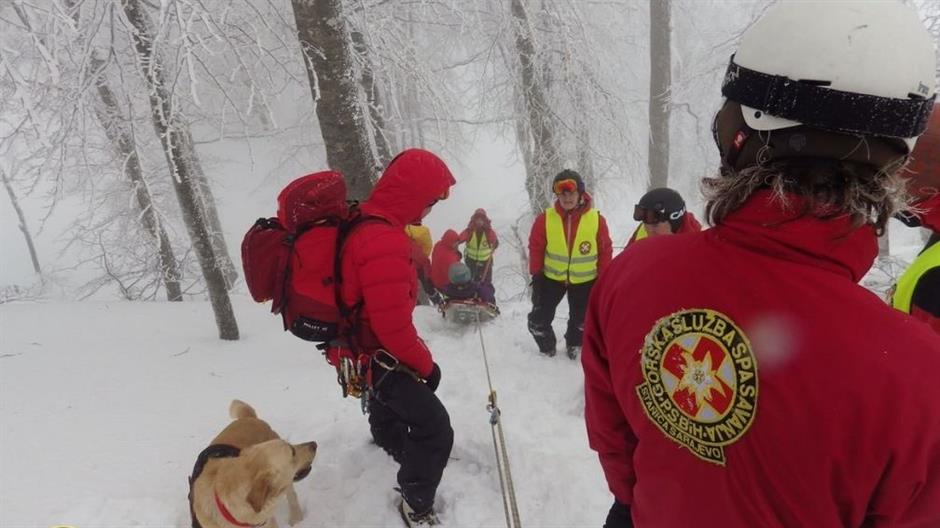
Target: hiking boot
x=573 y=352
x=548 y=352
x=417 y=520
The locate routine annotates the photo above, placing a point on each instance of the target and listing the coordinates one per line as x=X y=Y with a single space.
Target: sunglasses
x=653 y=216
x=565 y=186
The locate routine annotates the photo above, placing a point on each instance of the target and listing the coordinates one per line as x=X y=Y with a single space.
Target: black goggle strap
x=652 y=216
x=813 y=104
x=737 y=142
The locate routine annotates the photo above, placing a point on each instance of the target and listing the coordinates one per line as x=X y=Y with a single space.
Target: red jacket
x=832 y=400
x=377 y=267
x=690 y=224
x=442 y=256
x=538 y=239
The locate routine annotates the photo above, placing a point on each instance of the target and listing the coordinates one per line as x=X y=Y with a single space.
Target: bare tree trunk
x=583 y=142
x=206 y=200
x=544 y=156
x=660 y=81
x=112 y=120
x=373 y=96
x=22 y=219
x=171 y=133
x=321 y=30
x=412 y=106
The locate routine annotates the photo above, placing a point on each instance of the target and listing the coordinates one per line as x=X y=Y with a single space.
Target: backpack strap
x=349 y=314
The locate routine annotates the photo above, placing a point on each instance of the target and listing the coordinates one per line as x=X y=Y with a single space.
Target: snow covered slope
x=105 y=405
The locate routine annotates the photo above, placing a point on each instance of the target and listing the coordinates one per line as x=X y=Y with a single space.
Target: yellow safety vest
x=580 y=264
x=422 y=235
x=478 y=248
x=640 y=233
x=904 y=291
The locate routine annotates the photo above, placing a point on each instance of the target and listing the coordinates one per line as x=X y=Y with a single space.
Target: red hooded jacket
x=377 y=267
x=690 y=224
x=739 y=377
x=442 y=256
x=538 y=239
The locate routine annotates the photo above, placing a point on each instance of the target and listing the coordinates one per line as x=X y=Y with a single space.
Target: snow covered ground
x=105 y=405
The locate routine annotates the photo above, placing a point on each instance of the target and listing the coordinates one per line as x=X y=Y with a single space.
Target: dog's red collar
x=228 y=515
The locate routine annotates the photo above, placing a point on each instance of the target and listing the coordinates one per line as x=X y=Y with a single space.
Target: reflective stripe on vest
x=478 y=248
x=580 y=264
x=925 y=262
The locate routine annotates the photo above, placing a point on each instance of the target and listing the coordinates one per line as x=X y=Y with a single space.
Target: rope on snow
x=499 y=443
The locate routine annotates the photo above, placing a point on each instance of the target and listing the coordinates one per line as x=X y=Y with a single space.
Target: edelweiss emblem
x=700 y=385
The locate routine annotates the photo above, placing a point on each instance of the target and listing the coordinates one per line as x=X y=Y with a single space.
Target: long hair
x=828 y=188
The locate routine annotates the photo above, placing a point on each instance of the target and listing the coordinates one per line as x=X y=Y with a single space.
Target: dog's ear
x=262 y=489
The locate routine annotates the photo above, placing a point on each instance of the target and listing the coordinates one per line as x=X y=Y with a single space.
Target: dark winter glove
x=436 y=298
x=537 y=279
x=619 y=516
x=434 y=378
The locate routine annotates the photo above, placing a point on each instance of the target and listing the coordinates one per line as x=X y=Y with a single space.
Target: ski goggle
x=653 y=216
x=565 y=186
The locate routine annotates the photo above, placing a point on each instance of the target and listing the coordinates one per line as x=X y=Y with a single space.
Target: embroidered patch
x=700 y=385
x=585 y=247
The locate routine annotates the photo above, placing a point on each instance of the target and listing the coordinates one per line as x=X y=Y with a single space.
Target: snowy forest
x=140 y=140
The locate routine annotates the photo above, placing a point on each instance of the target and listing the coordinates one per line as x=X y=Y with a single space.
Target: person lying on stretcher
x=461 y=287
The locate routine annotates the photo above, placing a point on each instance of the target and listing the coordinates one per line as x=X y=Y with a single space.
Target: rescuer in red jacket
x=443 y=256
x=662 y=212
x=739 y=377
x=405 y=416
x=569 y=245
x=917 y=290
x=481 y=242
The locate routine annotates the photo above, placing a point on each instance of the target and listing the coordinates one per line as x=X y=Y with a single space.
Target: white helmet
x=863 y=67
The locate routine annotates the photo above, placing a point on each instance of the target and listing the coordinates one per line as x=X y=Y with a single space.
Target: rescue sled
x=468 y=311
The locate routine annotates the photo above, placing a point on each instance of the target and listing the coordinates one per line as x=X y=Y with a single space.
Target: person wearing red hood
x=569 y=245
x=406 y=418
x=740 y=376
x=662 y=212
x=444 y=254
x=481 y=242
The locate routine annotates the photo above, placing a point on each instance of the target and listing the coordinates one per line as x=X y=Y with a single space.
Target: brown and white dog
x=239 y=479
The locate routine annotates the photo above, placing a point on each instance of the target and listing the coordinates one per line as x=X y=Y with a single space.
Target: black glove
x=619 y=516
x=434 y=378
x=436 y=298
x=537 y=278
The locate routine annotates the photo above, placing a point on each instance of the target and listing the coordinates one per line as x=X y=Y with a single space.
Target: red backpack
x=294 y=261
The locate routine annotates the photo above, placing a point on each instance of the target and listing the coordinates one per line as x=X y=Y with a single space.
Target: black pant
x=546 y=294
x=412 y=425
x=477 y=269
